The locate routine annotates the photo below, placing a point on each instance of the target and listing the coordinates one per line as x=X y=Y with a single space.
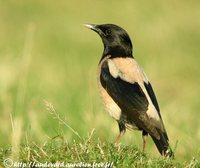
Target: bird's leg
x=144 y=136
x=122 y=130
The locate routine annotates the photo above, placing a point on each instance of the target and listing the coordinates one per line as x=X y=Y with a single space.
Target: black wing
x=152 y=96
x=128 y=96
x=155 y=103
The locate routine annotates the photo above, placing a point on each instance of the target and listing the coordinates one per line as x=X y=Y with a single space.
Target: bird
x=125 y=90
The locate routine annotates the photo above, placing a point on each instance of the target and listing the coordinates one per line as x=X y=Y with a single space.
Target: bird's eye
x=108 y=32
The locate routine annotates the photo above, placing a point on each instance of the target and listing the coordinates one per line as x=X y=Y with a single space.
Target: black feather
x=162 y=144
x=152 y=96
x=126 y=95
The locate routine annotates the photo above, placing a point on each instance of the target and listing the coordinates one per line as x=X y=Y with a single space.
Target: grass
x=88 y=152
x=45 y=54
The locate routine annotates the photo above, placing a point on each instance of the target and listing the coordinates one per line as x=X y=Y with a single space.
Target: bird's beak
x=95 y=28
x=90 y=26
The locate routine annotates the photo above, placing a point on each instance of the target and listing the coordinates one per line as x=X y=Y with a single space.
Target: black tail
x=163 y=145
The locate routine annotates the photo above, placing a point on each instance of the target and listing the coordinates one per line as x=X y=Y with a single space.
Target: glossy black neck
x=117 y=51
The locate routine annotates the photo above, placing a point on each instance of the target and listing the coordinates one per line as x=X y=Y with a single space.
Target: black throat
x=117 y=52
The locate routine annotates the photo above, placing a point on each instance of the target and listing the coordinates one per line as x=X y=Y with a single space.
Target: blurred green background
x=46 y=54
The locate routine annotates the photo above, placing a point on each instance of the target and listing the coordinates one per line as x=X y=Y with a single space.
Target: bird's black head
x=115 y=39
